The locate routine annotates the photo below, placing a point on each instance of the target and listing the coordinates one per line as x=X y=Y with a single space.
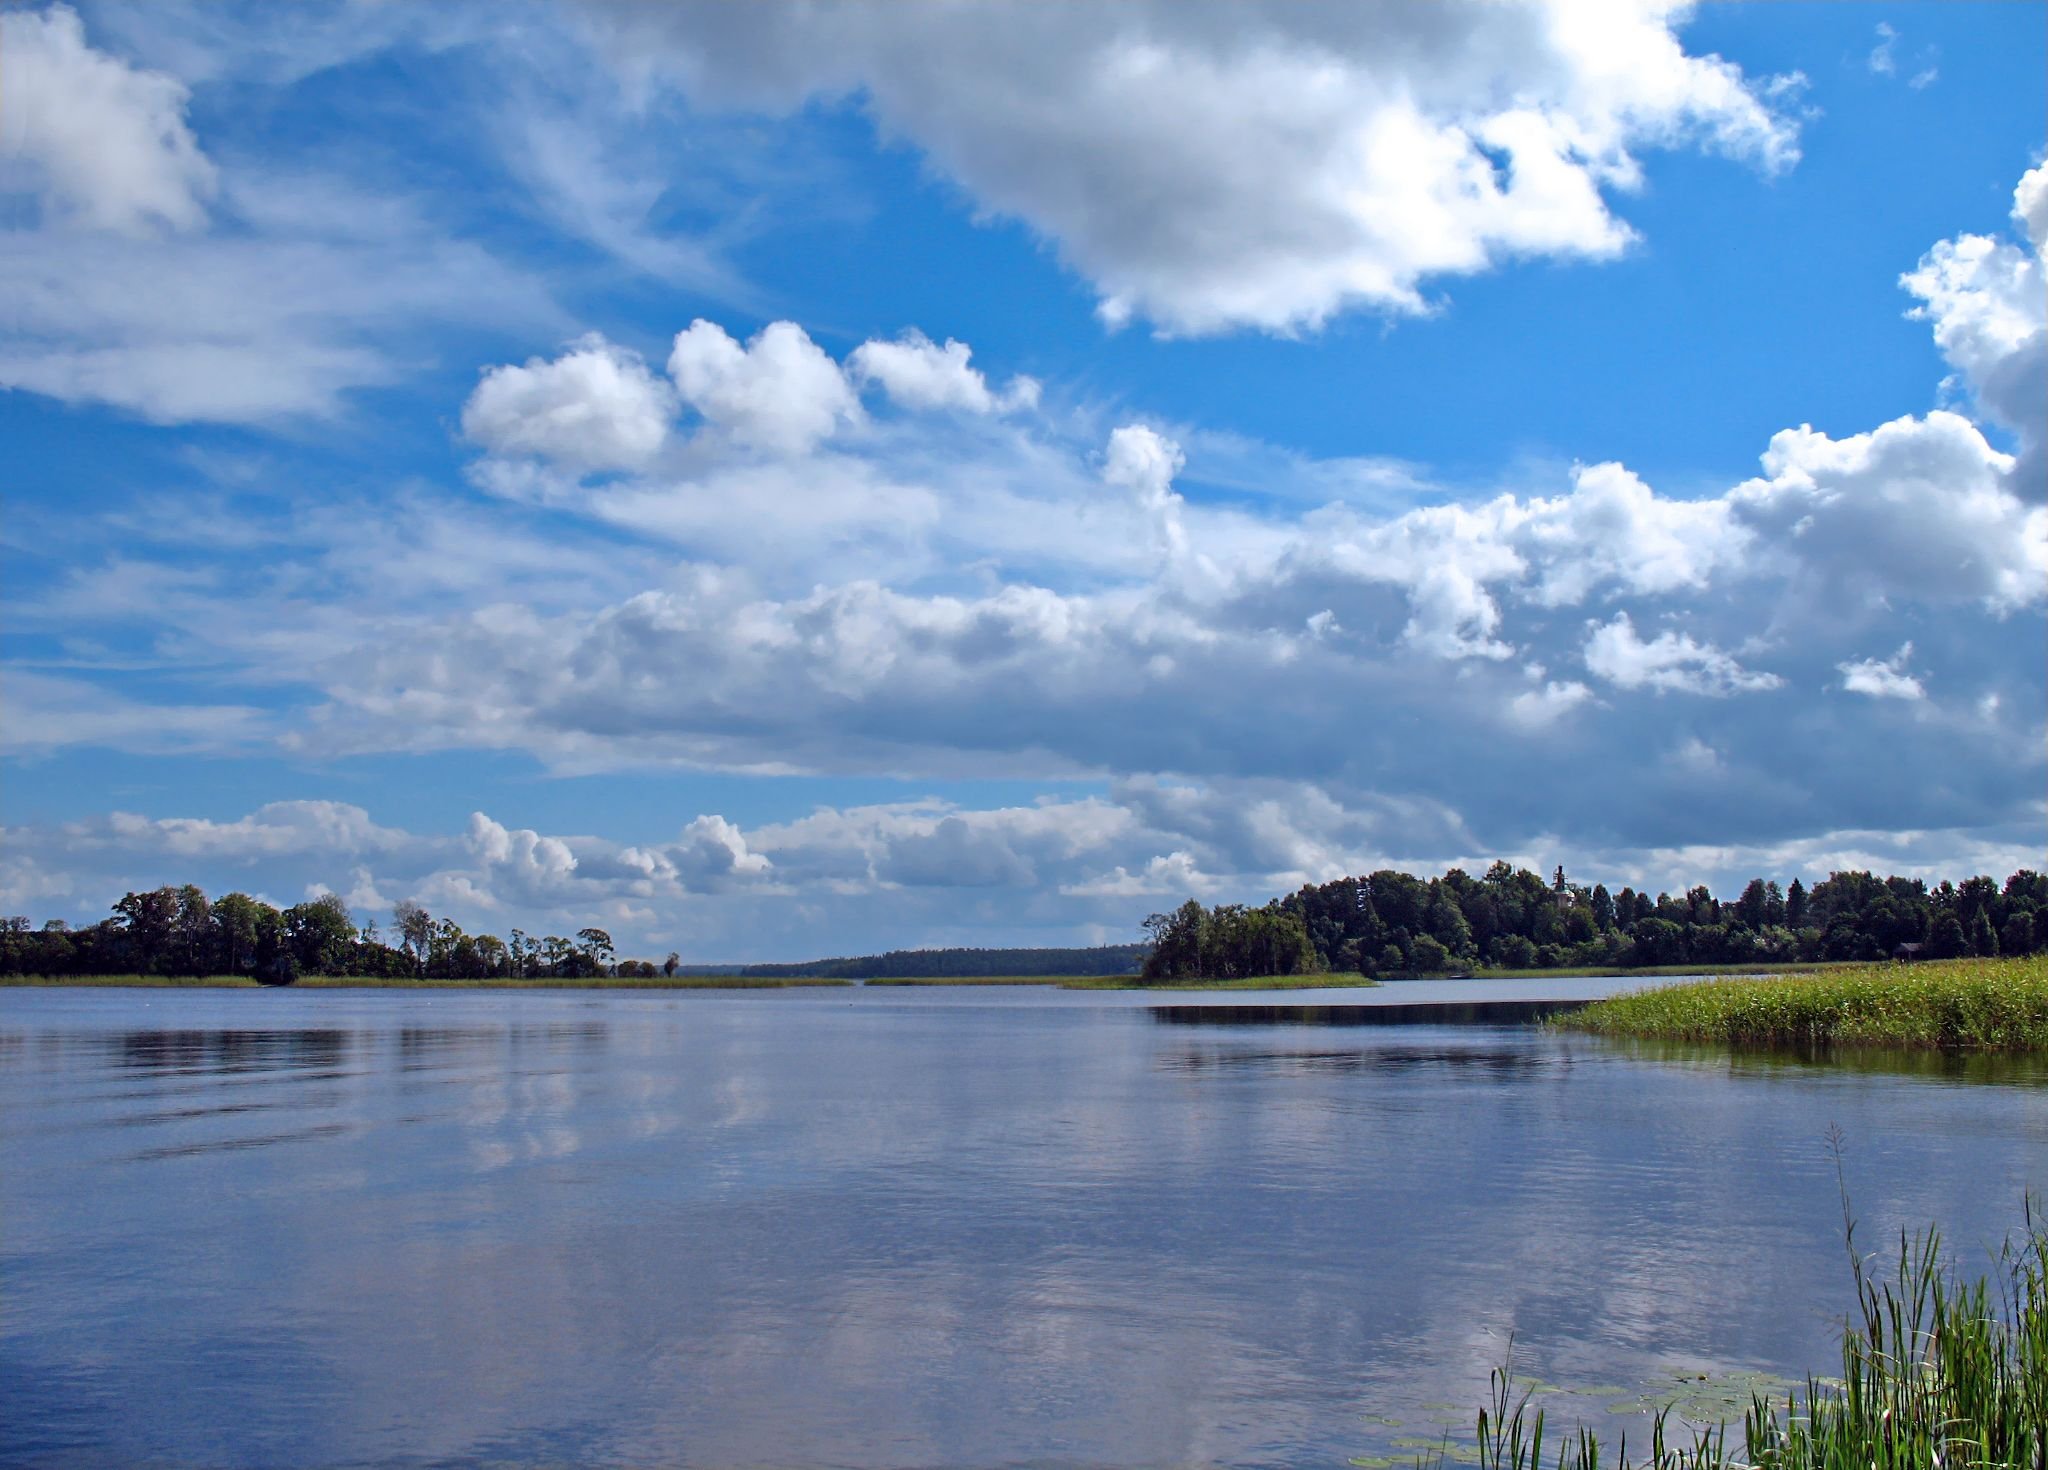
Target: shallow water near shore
x=919 y=1226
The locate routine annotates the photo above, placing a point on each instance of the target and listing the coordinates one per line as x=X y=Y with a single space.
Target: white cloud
x=961 y=595
x=1211 y=167
x=1670 y=661
x=1614 y=531
x=45 y=712
x=780 y=392
x=152 y=281
x=1883 y=678
x=1172 y=874
x=594 y=407
x=1987 y=300
x=920 y=374
x=1881 y=61
x=859 y=879
x=1920 y=508
x=713 y=849
x=1144 y=462
x=1537 y=709
x=106 y=144
x=322 y=288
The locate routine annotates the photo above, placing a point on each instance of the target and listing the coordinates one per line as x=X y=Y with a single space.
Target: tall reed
x=1938 y=1373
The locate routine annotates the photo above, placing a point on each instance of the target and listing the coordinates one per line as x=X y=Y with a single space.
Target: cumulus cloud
x=1921 y=508
x=780 y=392
x=868 y=878
x=1270 y=692
x=594 y=407
x=1987 y=301
x=1143 y=462
x=1537 y=709
x=919 y=374
x=1883 y=678
x=1213 y=167
x=105 y=143
x=1670 y=661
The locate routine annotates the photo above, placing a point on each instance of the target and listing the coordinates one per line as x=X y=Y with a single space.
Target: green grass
x=1248 y=982
x=1937 y=1373
x=384 y=982
x=1974 y=1004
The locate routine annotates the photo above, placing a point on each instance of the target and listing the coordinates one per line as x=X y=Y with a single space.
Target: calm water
x=905 y=1227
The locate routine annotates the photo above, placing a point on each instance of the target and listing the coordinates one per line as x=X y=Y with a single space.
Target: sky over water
x=784 y=481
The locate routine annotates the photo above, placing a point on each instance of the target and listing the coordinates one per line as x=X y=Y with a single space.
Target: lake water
x=912 y=1226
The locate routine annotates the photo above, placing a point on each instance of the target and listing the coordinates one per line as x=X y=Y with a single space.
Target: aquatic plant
x=1938 y=1373
x=1981 y=1004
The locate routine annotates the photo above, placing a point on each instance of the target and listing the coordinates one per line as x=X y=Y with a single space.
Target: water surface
x=910 y=1226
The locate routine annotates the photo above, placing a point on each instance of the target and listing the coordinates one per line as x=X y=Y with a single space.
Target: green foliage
x=1511 y=918
x=176 y=933
x=1227 y=942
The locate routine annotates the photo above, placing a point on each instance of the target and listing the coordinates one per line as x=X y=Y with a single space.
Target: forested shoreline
x=1391 y=923
x=180 y=931
x=1385 y=924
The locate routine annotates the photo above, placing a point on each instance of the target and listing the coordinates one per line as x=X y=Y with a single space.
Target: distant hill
x=965 y=964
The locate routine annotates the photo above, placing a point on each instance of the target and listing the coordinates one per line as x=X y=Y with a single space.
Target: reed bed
x=1938 y=1373
x=1958 y=1005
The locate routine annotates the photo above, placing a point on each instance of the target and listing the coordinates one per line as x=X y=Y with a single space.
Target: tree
x=191 y=942
x=1795 y=905
x=1428 y=957
x=1603 y=907
x=147 y=923
x=1945 y=937
x=1983 y=939
x=668 y=966
x=2018 y=935
x=492 y=957
x=321 y=934
x=415 y=929
x=598 y=946
x=237 y=924
x=1176 y=942
x=1512 y=952
x=1659 y=942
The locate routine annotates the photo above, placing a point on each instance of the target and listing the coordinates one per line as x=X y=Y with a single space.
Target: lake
x=919 y=1226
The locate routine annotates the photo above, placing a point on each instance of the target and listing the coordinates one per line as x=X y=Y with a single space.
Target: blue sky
x=779 y=482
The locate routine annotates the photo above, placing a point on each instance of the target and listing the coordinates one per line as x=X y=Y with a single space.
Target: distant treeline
x=180 y=931
x=1395 y=924
x=914 y=964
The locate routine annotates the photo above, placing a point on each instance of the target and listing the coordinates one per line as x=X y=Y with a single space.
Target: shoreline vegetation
x=1507 y=923
x=1936 y=1370
x=1947 y=1005
x=1510 y=922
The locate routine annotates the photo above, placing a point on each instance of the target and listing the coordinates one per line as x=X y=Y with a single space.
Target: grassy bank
x=1936 y=1371
x=1975 y=1004
x=385 y=982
